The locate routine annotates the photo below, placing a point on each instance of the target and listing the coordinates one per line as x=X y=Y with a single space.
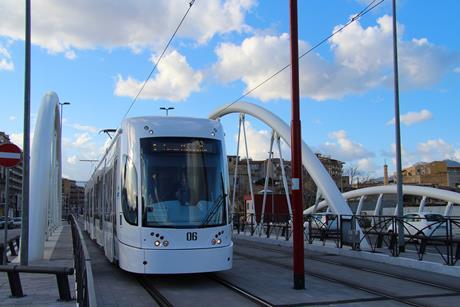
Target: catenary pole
x=296 y=156
x=24 y=251
x=398 y=135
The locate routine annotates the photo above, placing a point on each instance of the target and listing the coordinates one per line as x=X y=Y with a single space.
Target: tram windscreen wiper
x=217 y=206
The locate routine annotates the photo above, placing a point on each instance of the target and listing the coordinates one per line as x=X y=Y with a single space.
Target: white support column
x=317 y=200
x=449 y=208
x=283 y=174
x=235 y=173
x=269 y=162
x=360 y=204
x=378 y=205
x=45 y=165
x=422 y=204
x=253 y=206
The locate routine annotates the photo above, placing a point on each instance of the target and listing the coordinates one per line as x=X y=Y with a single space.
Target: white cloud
x=136 y=24
x=367 y=165
x=175 y=80
x=17 y=138
x=82 y=147
x=71 y=55
x=344 y=149
x=85 y=128
x=457 y=70
x=362 y=60
x=81 y=140
x=437 y=149
x=5 y=59
x=259 y=144
x=12 y=118
x=413 y=117
x=428 y=151
x=72 y=160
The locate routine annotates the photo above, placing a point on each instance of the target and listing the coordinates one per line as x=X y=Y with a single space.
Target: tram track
x=381 y=295
x=254 y=298
x=362 y=269
x=154 y=292
x=175 y=293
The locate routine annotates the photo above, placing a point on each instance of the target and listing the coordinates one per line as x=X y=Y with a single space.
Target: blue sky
x=95 y=54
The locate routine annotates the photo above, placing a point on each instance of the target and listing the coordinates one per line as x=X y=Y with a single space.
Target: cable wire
x=160 y=58
x=363 y=12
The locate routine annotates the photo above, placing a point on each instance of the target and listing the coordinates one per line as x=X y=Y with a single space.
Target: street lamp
x=62 y=104
x=167 y=109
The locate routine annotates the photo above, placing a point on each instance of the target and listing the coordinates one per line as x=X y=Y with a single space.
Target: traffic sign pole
x=10 y=156
x=7 y=200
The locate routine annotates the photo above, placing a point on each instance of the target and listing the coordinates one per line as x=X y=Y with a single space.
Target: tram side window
x=129 y=191
x=114 y=191
x=91 y=203
x=107 y=194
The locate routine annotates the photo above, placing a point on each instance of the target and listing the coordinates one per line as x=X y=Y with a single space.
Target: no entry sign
x=10 y=155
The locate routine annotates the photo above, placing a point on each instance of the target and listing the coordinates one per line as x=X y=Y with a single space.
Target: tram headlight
x=213 y=241
x=165 y=243
x=219 y=241
x=157 y=243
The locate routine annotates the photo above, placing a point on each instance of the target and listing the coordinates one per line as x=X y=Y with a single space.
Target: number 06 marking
x=192 y=236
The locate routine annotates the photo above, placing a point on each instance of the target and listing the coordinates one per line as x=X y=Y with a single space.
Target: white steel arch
x=309 y=160
x=447 y=196
x=45 y=175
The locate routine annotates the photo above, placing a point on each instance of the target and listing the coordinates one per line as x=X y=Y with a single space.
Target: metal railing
x=440 y=236
x=84 y=275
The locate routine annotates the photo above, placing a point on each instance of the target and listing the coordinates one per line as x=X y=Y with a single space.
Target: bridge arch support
x=45 y=175
x=312 y=164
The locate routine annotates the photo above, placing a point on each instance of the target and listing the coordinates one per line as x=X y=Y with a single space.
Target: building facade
x=275 y=183
x=15 y=184
x=444 y=173
x=73 y=197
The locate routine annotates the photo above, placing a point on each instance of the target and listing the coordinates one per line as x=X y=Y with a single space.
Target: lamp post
x=61 y=205
x=167 y=109
x=24 y=246
x=62 y=104
x=400 y=202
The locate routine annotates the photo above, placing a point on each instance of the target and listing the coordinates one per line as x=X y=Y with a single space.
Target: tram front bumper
x=176 y=261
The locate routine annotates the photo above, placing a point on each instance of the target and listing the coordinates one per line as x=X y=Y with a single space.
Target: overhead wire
x=363 y=12
x=159 y=58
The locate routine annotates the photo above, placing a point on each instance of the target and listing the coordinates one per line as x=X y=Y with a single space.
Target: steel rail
x=246 y=294
x=154 y=293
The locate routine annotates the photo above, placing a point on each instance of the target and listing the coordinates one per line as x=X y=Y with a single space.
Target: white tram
x=157 y=202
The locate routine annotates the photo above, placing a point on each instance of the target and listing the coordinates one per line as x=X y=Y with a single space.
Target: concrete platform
x=113 y=286
x=41 y=289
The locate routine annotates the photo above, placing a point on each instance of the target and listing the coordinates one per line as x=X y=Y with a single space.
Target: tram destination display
x=183 y=145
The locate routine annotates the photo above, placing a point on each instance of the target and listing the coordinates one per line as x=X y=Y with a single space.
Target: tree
x=353 y=172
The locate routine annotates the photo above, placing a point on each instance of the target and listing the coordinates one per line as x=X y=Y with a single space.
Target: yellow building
x=437 y=173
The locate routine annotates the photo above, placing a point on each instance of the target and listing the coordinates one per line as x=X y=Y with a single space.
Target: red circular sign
x=10 y=155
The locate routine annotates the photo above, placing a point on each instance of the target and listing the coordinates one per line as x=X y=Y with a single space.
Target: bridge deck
x=261 y=269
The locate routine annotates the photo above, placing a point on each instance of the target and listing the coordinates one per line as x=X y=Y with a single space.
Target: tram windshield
x=182 y=182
